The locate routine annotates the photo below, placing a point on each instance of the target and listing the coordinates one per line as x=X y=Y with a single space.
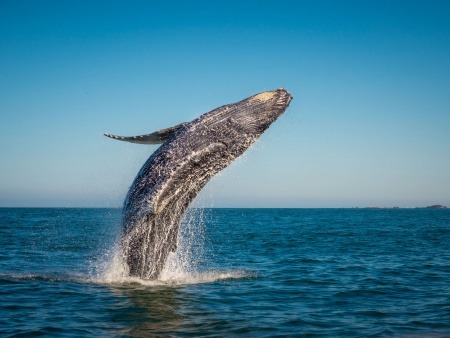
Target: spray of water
x=190 y=243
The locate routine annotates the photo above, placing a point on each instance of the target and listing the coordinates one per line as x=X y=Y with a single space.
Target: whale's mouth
x=284 y=98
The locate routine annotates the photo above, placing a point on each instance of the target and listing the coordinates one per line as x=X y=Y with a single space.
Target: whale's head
x=256 y=113
x=251 y=116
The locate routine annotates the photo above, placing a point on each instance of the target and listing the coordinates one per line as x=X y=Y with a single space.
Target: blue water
x=241 y=272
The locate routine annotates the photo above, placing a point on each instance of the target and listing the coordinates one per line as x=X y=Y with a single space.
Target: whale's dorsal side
x=156 y=137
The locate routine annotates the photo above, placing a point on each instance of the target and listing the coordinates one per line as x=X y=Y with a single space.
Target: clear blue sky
x=369 y=123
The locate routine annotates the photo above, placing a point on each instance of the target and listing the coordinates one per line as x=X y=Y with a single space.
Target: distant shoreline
x=435 y=206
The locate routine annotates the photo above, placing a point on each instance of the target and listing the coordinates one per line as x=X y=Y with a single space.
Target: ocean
x=236 y=272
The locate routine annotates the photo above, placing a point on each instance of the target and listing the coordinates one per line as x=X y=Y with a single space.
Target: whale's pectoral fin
x=157 y=137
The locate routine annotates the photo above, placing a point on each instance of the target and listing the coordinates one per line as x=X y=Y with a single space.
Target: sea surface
x=237 y=272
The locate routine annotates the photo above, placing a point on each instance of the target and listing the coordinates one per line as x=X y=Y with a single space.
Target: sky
x=369 y=124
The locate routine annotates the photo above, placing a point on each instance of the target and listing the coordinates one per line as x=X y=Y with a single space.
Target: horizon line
x=431 y=207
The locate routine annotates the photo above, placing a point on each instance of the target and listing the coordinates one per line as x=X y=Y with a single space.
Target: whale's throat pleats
x=148 y=243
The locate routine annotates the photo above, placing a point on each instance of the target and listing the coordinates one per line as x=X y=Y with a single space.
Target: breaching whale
x=190 y=155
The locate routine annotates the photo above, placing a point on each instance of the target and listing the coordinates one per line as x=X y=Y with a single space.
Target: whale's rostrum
x=191 y=153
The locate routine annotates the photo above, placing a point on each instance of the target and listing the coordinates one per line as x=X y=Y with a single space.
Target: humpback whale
x=190 y=155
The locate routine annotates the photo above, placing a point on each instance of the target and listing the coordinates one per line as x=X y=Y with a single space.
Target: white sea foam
x=176 y=272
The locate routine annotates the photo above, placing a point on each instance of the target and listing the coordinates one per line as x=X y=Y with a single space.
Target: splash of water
x=182 y=267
